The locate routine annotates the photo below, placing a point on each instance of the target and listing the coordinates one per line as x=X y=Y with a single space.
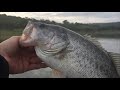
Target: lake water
x=111 y=45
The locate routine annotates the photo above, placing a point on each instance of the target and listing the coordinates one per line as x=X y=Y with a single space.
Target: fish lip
x=23 y=37
x=26 y=41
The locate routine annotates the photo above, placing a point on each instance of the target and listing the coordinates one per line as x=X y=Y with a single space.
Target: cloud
x=82 y=17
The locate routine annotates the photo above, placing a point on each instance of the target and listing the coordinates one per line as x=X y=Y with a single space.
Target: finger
x=43 y=65
x=37 y=66
x=34 y=66
x=28 y=51
x=35 y=60
x=33 y=55
x=31 y=49
x=26 y=41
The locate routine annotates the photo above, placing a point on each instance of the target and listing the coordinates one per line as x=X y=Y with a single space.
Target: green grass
x=5 y=34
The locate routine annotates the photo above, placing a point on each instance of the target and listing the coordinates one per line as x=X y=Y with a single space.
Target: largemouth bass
x=71 y=54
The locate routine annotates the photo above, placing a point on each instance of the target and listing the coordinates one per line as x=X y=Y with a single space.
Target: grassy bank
x=5 y=34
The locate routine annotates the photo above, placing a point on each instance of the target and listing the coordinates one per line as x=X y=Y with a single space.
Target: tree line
x=13 y=22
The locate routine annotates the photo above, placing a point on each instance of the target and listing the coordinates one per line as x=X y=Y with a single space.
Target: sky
x=80 y=17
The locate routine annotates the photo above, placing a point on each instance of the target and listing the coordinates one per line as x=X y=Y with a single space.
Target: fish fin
x=116 y=60
x=57 y=74
x=94 y=40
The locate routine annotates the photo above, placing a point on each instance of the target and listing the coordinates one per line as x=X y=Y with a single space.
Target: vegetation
x=12 y=25
x=5 y=34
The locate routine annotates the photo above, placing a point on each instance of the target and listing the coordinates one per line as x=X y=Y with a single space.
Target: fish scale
x=78 y=57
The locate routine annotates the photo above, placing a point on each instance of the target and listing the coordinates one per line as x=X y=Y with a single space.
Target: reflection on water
x=111 y=45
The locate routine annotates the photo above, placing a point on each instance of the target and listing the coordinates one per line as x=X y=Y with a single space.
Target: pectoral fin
x=57 y=74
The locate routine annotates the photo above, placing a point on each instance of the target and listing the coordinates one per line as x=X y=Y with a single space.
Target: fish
x=70 y=54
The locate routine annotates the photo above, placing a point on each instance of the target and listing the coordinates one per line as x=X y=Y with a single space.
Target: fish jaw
x=27 y=41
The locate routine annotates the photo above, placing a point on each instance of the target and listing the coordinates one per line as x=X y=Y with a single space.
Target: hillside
x=95 y=29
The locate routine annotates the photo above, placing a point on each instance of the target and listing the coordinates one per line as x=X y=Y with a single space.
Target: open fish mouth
x=27 y=41
x=23 y=37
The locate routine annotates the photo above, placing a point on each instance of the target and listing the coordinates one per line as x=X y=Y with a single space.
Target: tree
x=65 y=22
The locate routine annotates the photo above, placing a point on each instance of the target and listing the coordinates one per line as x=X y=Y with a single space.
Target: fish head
x=49 y=41
x=49 y=38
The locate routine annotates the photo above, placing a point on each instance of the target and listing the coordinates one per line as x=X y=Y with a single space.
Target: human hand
x=20 y=59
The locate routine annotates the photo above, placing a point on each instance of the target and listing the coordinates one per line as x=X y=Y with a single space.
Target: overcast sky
x=81 y=17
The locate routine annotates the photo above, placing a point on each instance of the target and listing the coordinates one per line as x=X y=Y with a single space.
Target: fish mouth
x=27 y=41
x=23 y=37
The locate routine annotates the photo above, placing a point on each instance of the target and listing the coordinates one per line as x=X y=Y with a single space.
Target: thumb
x=26 y=41
x=37 y=66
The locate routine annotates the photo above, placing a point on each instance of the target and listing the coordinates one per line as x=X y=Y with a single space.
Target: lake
x=110 y=44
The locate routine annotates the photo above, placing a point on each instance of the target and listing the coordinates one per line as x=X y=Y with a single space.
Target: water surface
x=110 y=44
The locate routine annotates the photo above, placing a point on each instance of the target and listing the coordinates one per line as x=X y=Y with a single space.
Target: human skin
x=19 y=58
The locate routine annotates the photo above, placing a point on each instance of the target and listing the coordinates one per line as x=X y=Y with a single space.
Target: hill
x=12 y=23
